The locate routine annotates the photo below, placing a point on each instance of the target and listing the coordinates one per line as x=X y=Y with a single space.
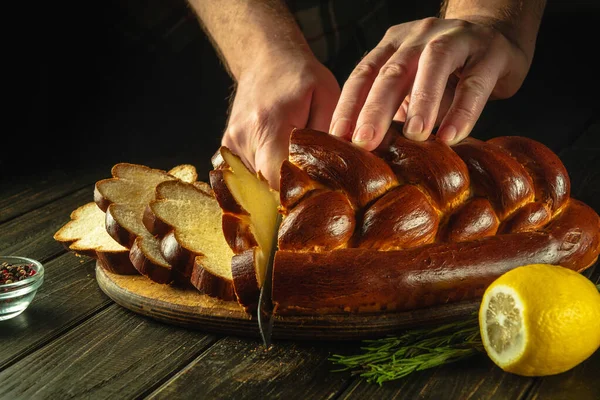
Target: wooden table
x=75 y=342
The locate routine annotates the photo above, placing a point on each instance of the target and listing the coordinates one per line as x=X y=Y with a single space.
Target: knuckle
x=391 y=31
x=441 y=46
x=233 y=134
x=373 y=114
x=474 y=83
x=423 y=96
x=248 y=130
x=258 y=118
x=412 y=53
x=364 y=69
x=394 y=70
x=370 y=111
x=427 y=23
x=462 y=24
x=344 y=108
x=307 y=82
x=464 y=111
x=497 y=39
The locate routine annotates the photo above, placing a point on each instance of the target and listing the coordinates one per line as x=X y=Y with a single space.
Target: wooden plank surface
x=19 y=195
x=241 y=368
x=580 y=383
x=30 y=235
x=115 y=354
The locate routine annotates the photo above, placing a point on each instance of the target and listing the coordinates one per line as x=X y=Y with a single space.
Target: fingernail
x=448 y=133
x=414 y=125
x=341 y=127
x=364 y=134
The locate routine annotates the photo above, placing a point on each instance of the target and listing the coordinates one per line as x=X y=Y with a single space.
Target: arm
x=439 y=71
x=248 y=31
x=280 y=85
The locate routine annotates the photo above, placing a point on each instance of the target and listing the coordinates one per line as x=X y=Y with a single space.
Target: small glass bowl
x=15 y=297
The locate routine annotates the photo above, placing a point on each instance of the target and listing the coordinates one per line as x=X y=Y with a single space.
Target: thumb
x=270 y=156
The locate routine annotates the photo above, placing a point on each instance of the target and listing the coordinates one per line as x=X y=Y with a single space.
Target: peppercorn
x=10 y=273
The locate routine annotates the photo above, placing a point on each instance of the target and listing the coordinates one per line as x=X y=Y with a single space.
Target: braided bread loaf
x=415 y=224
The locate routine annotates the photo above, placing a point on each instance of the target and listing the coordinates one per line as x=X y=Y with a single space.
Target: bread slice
x=195 y=245
x=131 y=187
x=85 y=234
x=249 y=219
x=124 y=197
x=159 y=228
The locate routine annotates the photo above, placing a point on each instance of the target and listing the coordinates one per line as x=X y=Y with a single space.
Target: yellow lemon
x=540 y=319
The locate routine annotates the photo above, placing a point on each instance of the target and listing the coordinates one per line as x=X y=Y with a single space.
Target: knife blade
x=265 y=302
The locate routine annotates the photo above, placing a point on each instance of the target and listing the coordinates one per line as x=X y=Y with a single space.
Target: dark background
x=138 y=81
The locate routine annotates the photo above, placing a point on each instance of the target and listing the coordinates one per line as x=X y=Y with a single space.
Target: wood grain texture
x=241 y=368
x=68 y=296
x=116 y=354
x=30 y=235
x=21 y=195
x=194 y=310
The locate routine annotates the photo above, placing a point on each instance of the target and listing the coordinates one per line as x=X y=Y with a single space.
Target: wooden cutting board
x=192 y=309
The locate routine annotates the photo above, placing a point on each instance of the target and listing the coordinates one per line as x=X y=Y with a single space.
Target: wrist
x=505 y=26
x=518 y=23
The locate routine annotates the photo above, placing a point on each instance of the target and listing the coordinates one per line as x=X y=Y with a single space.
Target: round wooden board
x=193 y=309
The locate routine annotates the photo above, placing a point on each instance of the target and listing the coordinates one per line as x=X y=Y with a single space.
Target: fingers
x=356 y=89
x=446 y=99
x=400 y=115
x=270 y=155
x=472 y=93
x=387 y=93
x=440 y=58
x=231 y=140
x=412 y=77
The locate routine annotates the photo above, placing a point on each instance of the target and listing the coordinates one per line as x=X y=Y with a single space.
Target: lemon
x=540 y=319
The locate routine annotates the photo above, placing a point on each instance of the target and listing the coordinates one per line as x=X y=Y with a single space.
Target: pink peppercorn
x=10 y=273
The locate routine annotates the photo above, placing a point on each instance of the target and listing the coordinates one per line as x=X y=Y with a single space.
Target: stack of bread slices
x=170 y=227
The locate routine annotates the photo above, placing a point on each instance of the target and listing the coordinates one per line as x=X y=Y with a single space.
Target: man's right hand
x=280 y=83
x=274 y=95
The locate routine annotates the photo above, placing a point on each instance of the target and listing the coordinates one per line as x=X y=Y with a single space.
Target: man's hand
x=274 y=96
x=429 y=72
x=437 y=72
x=280 y=85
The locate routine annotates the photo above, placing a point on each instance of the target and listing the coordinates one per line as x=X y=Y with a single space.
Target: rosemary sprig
x=394 y=357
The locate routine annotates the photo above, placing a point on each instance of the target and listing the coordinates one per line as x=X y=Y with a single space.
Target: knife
x=265 y=301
